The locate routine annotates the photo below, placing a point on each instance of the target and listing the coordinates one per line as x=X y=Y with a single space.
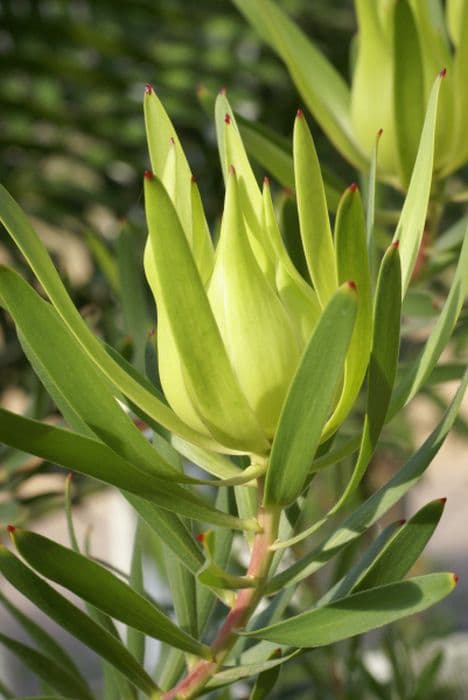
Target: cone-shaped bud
x=259 y=337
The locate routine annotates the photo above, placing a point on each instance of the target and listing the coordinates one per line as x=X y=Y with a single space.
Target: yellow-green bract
x=232 y=323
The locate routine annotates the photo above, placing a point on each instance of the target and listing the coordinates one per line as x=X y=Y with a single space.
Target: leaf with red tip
x=169 y=163
x=353 y=264
x=382 y=366
x=28 y=242
x=232 y=153
x=313 y=213
x=98 y=586
x=413 y=215
x=376 y=506
x=359 y=612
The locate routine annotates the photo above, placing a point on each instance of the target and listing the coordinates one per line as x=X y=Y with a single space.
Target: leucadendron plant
x=259 y=368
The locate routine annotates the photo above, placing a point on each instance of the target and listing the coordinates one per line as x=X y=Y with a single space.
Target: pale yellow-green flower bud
x=260 y=339
x=231 y=327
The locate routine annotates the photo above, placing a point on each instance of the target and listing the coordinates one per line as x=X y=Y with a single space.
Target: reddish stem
x=246 y=601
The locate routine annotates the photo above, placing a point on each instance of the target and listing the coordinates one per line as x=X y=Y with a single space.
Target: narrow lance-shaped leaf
x=360 y=612
x=134 y=306
x=404 y=549
x=27 y=240
x=313 y=212
x=391 y=555
x=419 y=371
x=310 y=398
x=383 y=364
x=47 y=669
x=71 y=618
x=411 y=225
x=101 y=588
x=233 y=155
x=408 y=86
x=353 y=263
x=43 y=639
x=377 y=505
x=350 y=580
x=74 y=375
x=178 y=289
x=95 y=459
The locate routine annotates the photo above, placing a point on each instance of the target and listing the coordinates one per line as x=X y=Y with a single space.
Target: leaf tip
x=227 y=118
x=455 y=578
x=11 y=529
x=353 y=187
x=172 y=141
x=200 y=537
x=232 y=170
x=223 y=91
x=148 y=89
x=443 y=73
x=266 y=181
x=379 y=133
x=148 y=174
x=443 y=500
x=352 y=285
x=401 y=522
x=299 y=113
x=193 y=179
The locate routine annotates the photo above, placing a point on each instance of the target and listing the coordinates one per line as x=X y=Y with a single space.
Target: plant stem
x=246 y=601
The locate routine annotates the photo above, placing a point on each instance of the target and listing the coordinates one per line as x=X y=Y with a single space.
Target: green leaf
x=134 y=305
x=211 y=574
x=383 y=364
x=418 y=372
x=404 y=549
x=44 y=641
x=413 y=215
x=370 y=205
x=27 y=240
x=266 y=680
x=71 y=618
x=95 y=584
x=231 y=675
x=349 y=582
x=313 y=212
x=171 y=530
x=95 y=459
x=321 y=86
x=353 y=264
x=359 y=612
x=179 y=291
x=309 y=400
x=408 y=87
x=75 y=376
x=377 y=505
x=48 y=670
x=135 y=638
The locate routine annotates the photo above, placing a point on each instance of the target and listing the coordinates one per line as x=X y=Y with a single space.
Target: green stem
x=246 y=601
